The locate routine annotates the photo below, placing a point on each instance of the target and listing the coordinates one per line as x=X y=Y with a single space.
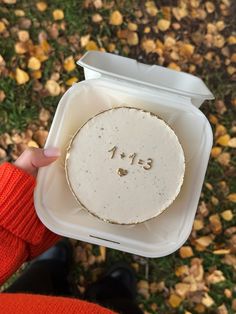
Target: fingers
x=33 y=158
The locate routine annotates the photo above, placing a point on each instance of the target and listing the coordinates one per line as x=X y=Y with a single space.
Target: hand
x=33 y=158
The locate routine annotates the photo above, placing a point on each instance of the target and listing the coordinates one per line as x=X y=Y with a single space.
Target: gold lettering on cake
x=132 y=158
x=122 y=172
x=146 y=164
x=113 y=150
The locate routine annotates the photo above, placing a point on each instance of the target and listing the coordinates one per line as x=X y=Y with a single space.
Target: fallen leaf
x=221 y=251
x=223 y=140
x=3 y=153
x=36 y=74
x=9 y=1
x=21 y=76
x=163 y=25
x=19 y=13
x=222 y=309
x=23 y=36
x=180 y=12
x=174 y=66
x=224 y=159
x=72 y=80
x=91 y=45
x=58 y=14
x=44 y=115
x=102 y=250
x=198 y=224
x=69 y=64
x=207 y=300
x=228 y=293
x=143 y=288
x=215 y=224
x=174 y=300
x=41 y=6
x=204 y=241
x=132 y=27
x=20 y=48
x=151 y=8
x=220 y=130
x=132 y=38
x=116 y=18
x=232 y=142
x=53 y=88
x=216 y=151
x=98 y=4
x=233 y=306
x=40 y=137
x=2 y=27
x=182 y=289
x=210 y=7
x=2 y=96
x=220 y=107
x=186 y=50
x=148 y=45
x=232 y=197
x=34 y=63
x=215 y=277
x=155 y=287
x=182 y=270
x=32 y=144
x=185 y=252
x=227 y=215
x=84 y=40
x=97 y=18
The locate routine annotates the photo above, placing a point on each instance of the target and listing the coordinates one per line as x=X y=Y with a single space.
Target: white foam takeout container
x=113 y=81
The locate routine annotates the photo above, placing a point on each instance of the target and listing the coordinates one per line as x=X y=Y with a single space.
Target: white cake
x=125 y=165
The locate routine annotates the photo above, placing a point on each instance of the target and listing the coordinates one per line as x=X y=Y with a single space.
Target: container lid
x=114 y=66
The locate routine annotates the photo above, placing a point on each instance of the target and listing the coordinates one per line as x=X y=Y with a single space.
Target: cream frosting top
x=125 y=165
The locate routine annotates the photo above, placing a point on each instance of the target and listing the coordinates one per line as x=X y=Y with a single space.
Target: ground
x=39 y=44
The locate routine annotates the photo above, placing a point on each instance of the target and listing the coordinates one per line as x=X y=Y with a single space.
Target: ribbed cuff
x=17 y=213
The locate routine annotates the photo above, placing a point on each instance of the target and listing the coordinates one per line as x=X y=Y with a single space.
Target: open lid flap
x=159 y=77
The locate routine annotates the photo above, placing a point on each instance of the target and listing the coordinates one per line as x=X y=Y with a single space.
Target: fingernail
x=51 y=152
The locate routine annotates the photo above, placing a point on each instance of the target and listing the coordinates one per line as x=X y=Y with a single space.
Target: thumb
x=33 y=158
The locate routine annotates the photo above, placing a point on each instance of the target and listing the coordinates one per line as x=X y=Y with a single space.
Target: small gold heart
x=122 y=172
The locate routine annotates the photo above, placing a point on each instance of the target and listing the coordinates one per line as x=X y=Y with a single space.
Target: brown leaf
x=210 y=7
x=20 y=48
x=116 y=18
x=2 y=96
x=180 y=12
x=151 y=8
x=204 y=241
x=198 y=225
x=3 y=153
x=182 y=270
x=98 y=4
x=148 y=45
x=222 y=309
x=215 y=224
x=220 y=107
x=2 y=27
x=102 y=250
x=186 y=50
x=23 y=36
x=19 y=13
x=232 y=142
x=224 y=159
x=9 y=1
x=230 y=260
x=228 y=293
x=40 y=137
x=58 y=15
x=221 y=251
x=97 y=18
x=182 y=289
x=220 y=130
x=207 y=300
x=44 y=115
x=232 y=197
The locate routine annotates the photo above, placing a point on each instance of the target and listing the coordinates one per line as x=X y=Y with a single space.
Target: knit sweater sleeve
x=22 y=235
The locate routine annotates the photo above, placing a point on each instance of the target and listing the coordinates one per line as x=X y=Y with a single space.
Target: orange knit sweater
x=23 y=237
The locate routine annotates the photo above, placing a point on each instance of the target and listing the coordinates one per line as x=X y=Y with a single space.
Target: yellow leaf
x=210 y=7
x=185 y=251
x=163 y=25
x=224 y=159
x=34 y=63
x=223 y=140
x=45 y=46
x=58 y=14
x=232 y=142
x=174 y=300
x=186 y=50
x=151 y=8
x=232 y=197
x=32 y=144
x=204 y=241
x=91 y=45
x=220 y=130
x=96 y=18
x=148 y=45
x=53 y=87
x=221 y=251
x=41 y=6
x=180 y=12
x=207 y=300
x=102 y=250
x=69 y=64
x=227 y=215
x=84 y=40
x=111 y=47
x=23 y=36
x=71 y=81
x=132 y=27
x=116 y=18
x=2 y=27
x=132 y=38
x=216 y=151
x=19 y=13
x=174 y=66
x=231 y=40
x=215 y=224
x=182 y=289
x=198 y=224
x=182 y=270
x=213 y=119
x=21 y=76
x=20 y=48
